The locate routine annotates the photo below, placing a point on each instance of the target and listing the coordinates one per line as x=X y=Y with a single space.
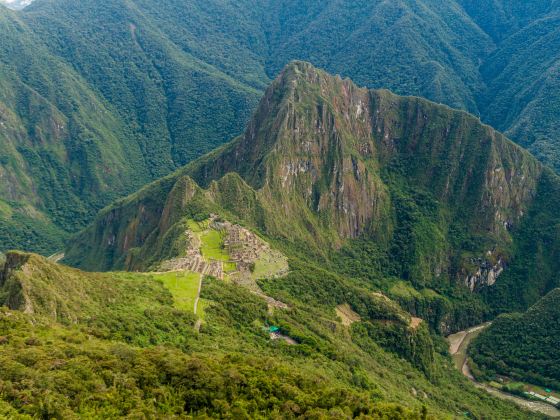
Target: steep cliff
x=323 y=163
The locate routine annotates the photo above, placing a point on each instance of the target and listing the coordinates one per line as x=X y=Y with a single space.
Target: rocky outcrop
x=486 y=275
x=12 y=261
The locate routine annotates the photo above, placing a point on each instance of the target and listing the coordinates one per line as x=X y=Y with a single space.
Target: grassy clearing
x=269 y=265
x=404 y=289
x=346 y=314
x=198 y=227
x=183 y=286
x=213 y=246
x=230 y=267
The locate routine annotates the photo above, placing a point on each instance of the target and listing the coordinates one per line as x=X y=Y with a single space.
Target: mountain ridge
x=77 y=333
x=172 y=94
x=324 y=165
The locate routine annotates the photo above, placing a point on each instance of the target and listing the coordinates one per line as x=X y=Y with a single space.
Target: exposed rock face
x=320 y=164
x=13 y=261
x=486 y=275
x=308 y=144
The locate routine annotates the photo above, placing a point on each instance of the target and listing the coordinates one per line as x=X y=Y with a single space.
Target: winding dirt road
x=458 y=344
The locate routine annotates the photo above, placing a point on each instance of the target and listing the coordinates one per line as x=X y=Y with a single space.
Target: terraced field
x=184 y=288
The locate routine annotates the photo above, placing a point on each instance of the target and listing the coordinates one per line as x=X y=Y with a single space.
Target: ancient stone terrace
x=194 y=261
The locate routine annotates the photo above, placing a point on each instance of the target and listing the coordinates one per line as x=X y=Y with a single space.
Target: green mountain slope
x=177 y=105
x=430 y=49
x=523 y=80
x=64 y=155
x=382 y=188
x=167 y=81
x=83 y=125
x=523 y=346
x=85 y=345
x=502 y=18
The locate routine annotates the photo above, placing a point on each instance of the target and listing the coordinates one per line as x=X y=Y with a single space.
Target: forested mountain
x=119 y=345
x=522 y=75
x=63 y=154
x=423 y=201
x=523 y=346
x=83 y=124
x=305 y=226
x=168 y=81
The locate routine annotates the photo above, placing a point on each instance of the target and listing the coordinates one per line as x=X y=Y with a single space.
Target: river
x=458 y=345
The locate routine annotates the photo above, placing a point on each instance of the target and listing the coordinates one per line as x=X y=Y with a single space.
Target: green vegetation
x=212 y=247
x=123 y=306
x=183 y=287
x=57 y=368
x=269 y=264
x=56 y=372
x=230 y=267
x=198 y=226
x=426 y=216
x=98 y=98
x=427 y=213
x=82 y=125
x=390 y=206
x=523 y=347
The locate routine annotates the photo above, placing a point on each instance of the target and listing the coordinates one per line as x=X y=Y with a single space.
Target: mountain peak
x=323 y=162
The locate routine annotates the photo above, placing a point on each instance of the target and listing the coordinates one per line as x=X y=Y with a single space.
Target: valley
x=277 y=209
x=106 y=109
x=458 y=348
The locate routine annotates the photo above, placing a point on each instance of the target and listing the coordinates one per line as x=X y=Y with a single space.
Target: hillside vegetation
x=523 y=346
x=83 y=125
x=75 y=344
x=426 y=203
x=100 y=97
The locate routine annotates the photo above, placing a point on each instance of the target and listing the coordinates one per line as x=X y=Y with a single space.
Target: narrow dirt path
x=56 y=257
x=198 y=321
x=198 y=294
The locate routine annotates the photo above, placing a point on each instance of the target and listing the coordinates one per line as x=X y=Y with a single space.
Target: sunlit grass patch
x=230 y=267
x=213 y=246
x=183 y=287
x=198 y=227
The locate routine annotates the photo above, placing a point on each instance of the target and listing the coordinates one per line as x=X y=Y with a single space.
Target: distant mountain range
x=109 y=95
x=16 y=4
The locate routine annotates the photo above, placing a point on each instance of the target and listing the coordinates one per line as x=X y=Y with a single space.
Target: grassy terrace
x=184 y=288
x=269 y=265
x=212 y=247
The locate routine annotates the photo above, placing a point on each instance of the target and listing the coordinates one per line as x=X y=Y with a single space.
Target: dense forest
x=523 y=346
x=122 y=93
x=118 y=346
